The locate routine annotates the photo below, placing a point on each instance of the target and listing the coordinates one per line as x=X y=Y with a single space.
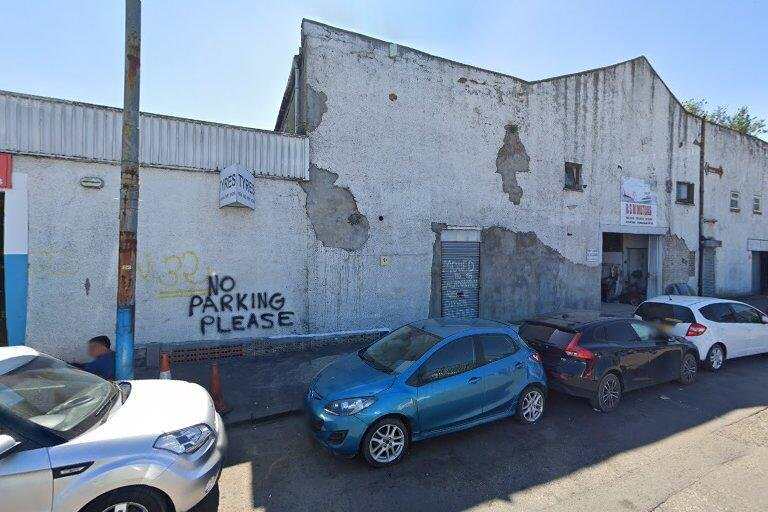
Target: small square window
x=572 y=177
x=735 y=202
x=684 y=192
x=757 y=205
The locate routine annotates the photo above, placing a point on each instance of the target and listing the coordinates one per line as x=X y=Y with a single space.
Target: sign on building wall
x=237 y=187
x=639 y=204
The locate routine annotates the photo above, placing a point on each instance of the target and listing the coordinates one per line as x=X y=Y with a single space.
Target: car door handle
x=474 y=380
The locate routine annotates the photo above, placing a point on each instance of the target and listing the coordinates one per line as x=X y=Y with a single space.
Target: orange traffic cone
x=165 y=366
x=216 y=393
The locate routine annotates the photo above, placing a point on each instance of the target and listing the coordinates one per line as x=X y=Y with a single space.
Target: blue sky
x=229 y=60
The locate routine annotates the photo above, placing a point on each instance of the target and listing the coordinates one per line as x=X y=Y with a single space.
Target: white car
x=721 y=329
x=73 y=442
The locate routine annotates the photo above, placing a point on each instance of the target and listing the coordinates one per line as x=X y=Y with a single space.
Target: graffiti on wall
x=222 y=309
x=175 y=275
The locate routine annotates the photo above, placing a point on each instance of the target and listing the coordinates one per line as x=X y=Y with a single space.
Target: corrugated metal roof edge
x=143 y=164
x=147 y=114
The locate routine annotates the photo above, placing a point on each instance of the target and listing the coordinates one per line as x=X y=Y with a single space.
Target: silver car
x=74 y=442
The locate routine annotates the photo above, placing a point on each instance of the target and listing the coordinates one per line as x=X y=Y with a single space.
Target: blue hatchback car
x=424 y=379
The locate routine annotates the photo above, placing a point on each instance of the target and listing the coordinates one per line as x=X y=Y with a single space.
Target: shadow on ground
x=492 y=462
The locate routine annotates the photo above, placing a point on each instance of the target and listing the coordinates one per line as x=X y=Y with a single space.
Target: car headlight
x=186 y=440
x=349 y=406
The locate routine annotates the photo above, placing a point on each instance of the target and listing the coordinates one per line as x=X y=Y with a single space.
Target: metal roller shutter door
x=460 y=279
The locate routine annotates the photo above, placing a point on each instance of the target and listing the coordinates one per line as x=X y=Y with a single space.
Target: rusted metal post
x=129 y=195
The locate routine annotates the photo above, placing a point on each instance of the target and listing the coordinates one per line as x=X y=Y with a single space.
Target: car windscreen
x=54 y=395
x=542 y=333
x=399 y=349
x=651 y=311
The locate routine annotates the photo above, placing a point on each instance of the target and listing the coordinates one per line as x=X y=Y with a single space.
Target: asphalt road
x=703 y=447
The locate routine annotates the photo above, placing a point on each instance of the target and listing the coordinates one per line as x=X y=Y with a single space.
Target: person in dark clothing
x=103 y=364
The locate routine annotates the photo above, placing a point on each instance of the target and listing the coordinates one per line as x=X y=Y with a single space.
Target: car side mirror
x=7 y=445
x=764 y=319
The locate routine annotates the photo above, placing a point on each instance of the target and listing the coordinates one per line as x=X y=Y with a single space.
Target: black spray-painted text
x=255 y=310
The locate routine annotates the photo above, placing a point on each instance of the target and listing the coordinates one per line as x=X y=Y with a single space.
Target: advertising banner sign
x=639 y=204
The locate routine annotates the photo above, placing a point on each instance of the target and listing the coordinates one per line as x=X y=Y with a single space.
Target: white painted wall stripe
x=16 y=219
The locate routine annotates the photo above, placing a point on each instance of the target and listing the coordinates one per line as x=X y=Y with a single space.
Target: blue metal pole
x=129 y=195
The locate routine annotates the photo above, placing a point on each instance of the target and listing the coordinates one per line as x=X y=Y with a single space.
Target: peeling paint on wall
x=512 y=159
x=333 y=211
x=316 y=107
x=520 y=277
x=679 y=262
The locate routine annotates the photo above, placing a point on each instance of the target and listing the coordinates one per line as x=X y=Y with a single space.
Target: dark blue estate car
x=424 y=379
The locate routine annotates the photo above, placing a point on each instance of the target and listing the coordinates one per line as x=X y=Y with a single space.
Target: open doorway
x=629 y=261
x=760 y=272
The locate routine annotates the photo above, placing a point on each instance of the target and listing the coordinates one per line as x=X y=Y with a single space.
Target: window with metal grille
x=735 y=202
x=572 y=177
x=684 y=192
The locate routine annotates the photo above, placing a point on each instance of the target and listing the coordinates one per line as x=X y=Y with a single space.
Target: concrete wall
x=744 y=163
x=402 y=146
x=183 y=238
x=419 y=140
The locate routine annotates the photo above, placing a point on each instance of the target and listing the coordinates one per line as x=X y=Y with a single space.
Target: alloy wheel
x=610 y=393
x=716 y=357
x=126 y=507
x=387 y=443
x=533 y=405
x=689 y=368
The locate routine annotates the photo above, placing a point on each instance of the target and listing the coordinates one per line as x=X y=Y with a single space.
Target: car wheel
x=530 y=405
x=688 y=369
x=608 y=393
x=385 y=443
x=135 y=499
x=715 y=358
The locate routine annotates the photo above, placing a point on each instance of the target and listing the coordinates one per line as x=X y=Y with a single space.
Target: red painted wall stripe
x=6 y=164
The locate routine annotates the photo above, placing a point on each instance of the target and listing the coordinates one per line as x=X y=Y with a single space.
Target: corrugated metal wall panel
x=460 y=279
x=51 y=127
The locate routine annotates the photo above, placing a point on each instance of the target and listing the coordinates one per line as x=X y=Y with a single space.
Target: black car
x=600 y=358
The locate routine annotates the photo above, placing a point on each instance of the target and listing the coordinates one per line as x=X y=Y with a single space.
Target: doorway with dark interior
x=627 y=263
x=760 y=272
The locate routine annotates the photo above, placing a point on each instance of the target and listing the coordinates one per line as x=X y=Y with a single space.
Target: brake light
x=696 y=330
x=535 y=356
x=574 y=350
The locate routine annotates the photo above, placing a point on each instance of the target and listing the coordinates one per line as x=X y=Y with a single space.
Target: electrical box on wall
x=6 y=165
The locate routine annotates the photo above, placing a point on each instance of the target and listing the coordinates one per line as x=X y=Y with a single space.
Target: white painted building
x=402 y=185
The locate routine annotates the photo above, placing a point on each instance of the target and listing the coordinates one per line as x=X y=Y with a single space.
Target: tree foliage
x=741 y=120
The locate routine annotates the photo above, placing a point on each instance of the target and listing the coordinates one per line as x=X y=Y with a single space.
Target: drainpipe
x=296 y=85
x=702 y=164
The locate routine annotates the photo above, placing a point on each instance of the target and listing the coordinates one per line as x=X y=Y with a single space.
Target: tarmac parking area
x=666 y=448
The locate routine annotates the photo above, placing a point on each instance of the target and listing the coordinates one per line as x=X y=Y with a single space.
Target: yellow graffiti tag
x=176 y=275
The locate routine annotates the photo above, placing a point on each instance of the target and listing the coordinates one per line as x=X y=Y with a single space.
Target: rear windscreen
x=545 y=334
x=650 y=311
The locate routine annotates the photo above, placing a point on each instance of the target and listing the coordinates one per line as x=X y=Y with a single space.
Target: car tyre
x=385 y=442
x=715 y=358
x=530 y=405
x=688 y=369
x=608 y=394
x=132 y=499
